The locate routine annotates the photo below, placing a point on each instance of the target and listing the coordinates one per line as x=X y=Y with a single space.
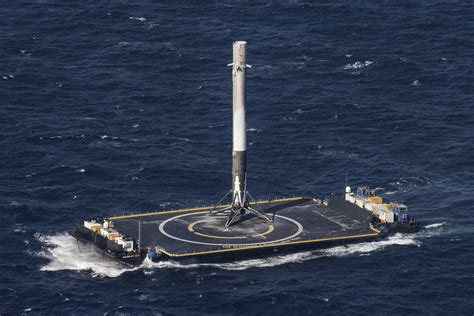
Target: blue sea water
x=116 y=106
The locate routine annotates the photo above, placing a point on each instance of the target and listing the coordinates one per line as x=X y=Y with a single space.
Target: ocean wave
x=358 y=65
x=137 y=18
x=435 y=225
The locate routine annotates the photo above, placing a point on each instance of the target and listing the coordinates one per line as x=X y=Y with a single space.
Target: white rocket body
x=240 y=205
x=239 y=96
x=239 y=150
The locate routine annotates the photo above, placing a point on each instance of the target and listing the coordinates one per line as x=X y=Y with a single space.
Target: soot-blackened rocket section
x=239 y=205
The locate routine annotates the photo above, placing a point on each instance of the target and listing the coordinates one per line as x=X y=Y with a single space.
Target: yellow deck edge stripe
x=199 y=208
x=268 y=246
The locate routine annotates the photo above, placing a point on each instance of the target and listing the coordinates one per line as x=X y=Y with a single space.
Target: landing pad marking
x=162 y=230
x=191 y=229
x=202 y=208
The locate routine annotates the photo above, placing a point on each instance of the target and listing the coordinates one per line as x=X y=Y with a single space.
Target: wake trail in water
x=338 y=251
x=65 y=253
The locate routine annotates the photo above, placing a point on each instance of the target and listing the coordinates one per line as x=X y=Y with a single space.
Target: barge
x=298 y=223
x=239 y=226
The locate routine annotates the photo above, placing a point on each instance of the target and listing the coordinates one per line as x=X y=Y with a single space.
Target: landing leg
x=236 y=211
x=234 y=216
x=215 y=210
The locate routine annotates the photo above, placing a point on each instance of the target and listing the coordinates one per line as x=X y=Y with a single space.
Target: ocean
x=114 y=106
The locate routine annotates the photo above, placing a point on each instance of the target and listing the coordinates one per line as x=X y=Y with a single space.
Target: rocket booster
x=239 y=150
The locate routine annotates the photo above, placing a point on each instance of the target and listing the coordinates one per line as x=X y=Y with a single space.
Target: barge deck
x=296 y=223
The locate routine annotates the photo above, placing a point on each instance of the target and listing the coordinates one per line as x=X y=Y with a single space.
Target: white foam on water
x=368 y=247
x=137 y=18
x=444 y=229
x=358 y=65
x=435 y=225
x=338 y=251
x=236 y=265
x=65 y=253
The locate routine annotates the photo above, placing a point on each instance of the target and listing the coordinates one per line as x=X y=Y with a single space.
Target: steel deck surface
x=191 y=232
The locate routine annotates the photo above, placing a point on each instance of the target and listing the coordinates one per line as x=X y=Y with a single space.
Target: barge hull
x=298 y=224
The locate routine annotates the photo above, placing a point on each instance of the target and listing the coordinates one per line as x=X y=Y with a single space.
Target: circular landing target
x=204 y=229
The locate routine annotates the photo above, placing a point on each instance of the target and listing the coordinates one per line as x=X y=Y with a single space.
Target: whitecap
x=19 y=228
x=137 y=18
x=434 y=226
x=358 y=64
x=143 y=297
